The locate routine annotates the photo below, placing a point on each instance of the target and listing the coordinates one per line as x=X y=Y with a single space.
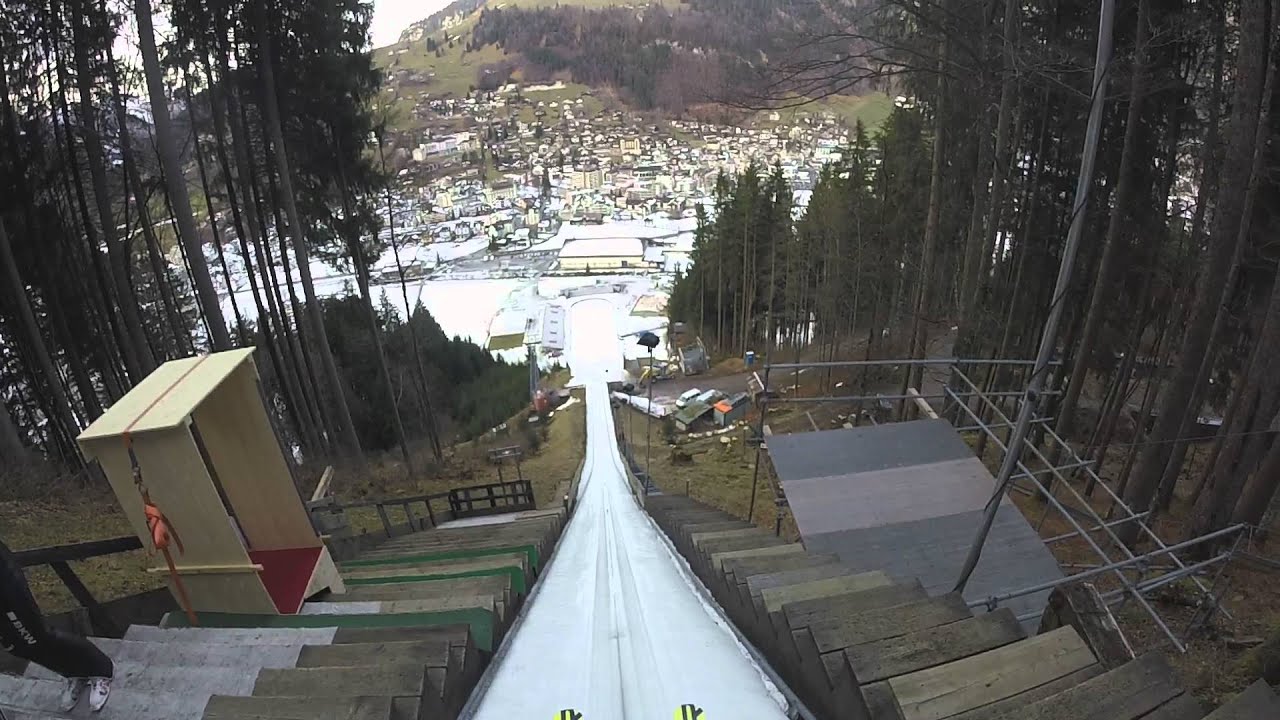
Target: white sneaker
x=99 y=692
x=71 y=694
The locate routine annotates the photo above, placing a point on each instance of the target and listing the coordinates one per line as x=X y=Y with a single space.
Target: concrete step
x=1257 y=702
x=413 y=693
x=198 y=654
x=362 y=707
x=198 y=679
x=28 y=699
x=232 y=635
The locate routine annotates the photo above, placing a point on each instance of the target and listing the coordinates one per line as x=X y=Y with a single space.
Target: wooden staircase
x=862 y=646
x=408 y=641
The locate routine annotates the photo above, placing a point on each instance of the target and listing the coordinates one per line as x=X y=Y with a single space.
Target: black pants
x=24 y=634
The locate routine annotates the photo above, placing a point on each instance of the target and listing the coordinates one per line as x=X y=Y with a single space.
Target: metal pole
x=1048 y=339
x=648 y=436
x=755 y=472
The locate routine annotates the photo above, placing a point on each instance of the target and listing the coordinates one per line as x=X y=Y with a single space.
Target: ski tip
x=689 y=711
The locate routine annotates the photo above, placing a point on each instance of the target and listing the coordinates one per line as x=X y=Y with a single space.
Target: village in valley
x=510 y=201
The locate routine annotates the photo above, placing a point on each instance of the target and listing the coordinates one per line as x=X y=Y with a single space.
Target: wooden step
x=1183 y=707
x=732 y=585
x=974 y=682
x=1131 y=691
x=1257 y=702
x=905 y=654
x=410 y=686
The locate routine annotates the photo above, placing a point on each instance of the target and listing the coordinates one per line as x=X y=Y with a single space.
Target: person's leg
x=23 y=632
x=73 y=656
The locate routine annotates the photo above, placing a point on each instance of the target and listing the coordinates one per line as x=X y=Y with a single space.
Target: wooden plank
x=250 y=568
x=1257 y=702
x=133 y=408
x=772 y=599
x=873 y=614
x=325 y=575
x=880 y=701
x=180 y=486
x=717 y=559
x=102 y=622
x=322 y=487
x=76 y=551
x=946 y=690
x=386 y=521
x=250 y=465
x=1009 y=707
x=883 y=659
x=755 y=585
x=227 y=593
x=1125 y=693
x=1081 y=607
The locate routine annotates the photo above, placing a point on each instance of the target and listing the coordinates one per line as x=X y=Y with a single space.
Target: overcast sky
x=390 y=17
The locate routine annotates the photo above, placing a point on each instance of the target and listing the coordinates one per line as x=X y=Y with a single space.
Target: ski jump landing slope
x=617 y=630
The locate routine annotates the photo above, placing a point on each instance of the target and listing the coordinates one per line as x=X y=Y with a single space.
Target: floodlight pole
x=648 y=436
x=1048 y=339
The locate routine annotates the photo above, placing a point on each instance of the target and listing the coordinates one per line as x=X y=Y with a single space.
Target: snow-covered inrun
x=617 y=629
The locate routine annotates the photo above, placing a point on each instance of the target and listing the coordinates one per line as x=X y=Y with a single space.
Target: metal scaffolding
x=1114 y=559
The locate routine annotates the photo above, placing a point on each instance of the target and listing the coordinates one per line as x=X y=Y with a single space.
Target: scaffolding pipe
x=994 y=600
x=1113 y=523
x=994 y=505
x=908 y=396
x=914 y=361
x=1162 y=580
x=1067 y=484
x=973 y=428
x=1049 y=337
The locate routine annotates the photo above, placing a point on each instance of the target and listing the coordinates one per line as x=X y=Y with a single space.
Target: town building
x=588 y=179
x=594 y=254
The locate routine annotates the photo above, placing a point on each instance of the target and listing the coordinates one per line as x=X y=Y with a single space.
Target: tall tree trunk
x=75 y=189
x=1251 y=63
x=175 y=181
x=1121 y=218
x=424 y=389
x=61 y=406
x=12 y=451
x=317 y=334
x=929 y=250
x=213 y=219
x=118 y=254
x=1214 y=509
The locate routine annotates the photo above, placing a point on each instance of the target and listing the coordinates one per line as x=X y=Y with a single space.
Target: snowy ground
x=477 y=297
x=616 y=628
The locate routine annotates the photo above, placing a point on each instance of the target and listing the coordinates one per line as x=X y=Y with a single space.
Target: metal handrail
x=1087 y=538
x=1098 y=481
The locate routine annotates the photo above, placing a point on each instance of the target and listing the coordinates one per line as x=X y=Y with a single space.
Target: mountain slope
x=660 y=55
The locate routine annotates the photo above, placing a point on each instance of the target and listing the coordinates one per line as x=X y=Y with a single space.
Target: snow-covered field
x=478 y=308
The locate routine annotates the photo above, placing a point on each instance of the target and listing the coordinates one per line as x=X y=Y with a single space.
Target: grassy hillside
x=416 y=73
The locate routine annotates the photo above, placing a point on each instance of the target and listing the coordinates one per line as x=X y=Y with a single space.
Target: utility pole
x=648 y=340
x=1048 y=339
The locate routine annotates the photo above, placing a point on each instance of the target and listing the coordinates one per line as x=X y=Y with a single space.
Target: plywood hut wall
x=213 y=465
